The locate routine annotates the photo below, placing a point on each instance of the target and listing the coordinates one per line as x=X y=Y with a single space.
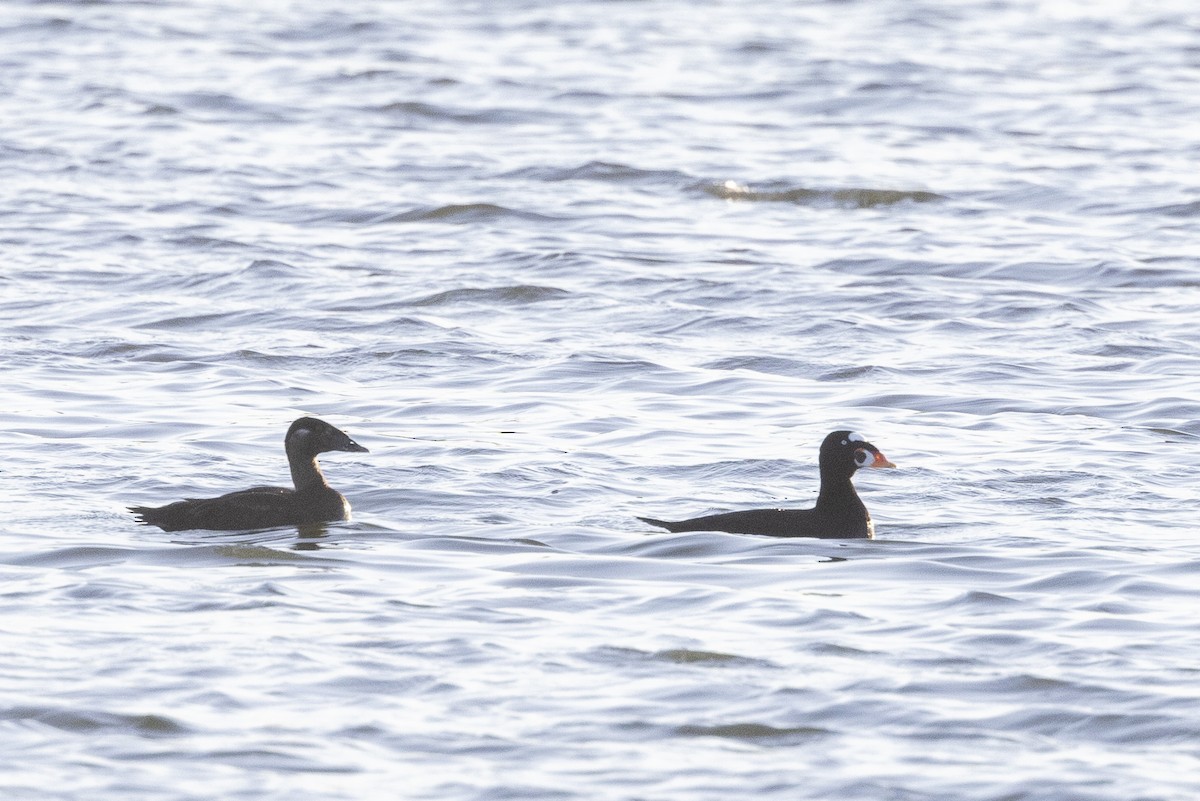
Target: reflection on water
x=308 y=536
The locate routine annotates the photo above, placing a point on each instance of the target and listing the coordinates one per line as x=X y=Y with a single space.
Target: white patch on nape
x=302 y=433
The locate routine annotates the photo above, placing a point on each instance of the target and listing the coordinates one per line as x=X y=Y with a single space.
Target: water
x=558 y=265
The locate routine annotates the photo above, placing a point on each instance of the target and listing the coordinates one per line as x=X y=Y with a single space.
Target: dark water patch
x=653 y=544
x=330 y=26
x=1090 y=273
x=1181 y=434
x=193 y=322
x=1111 y=606
x=772 y=365
x=92 y=722
x=689 y=656
x=183 y=208
x=269 y=270
x=604 y=172
x=355 y=215
x=159 y=109
x=117 y=352
x=418 y=113
x=1026 y=688
x=611 y=655
x=1129 y=728
x=516 y=791
x=465 y=214
x=754 y=732
x=1185 y=210
x=270 y=760
x=1182 y=361
x=1124 y=625
x=248 y=605
x=368 y=75
x=519 y=295
x=982 y=600
x=1152 y=593
x=52 y=24
x=376 y=684
x=1087 y=273
x=875 y=266
x=222 y=105
x=841 y=650
x=72 y=557
x=857 y=373
x=564 y=263
x=208 y=243
x=100 y=591
x=801 y=196
x=239 y=550
x=706 y=322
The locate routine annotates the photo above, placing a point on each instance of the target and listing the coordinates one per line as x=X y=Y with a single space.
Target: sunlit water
x=558 y=265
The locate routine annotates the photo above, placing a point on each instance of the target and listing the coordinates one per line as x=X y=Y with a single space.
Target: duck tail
x=667 y=524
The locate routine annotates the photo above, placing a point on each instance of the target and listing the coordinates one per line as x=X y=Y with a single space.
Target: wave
x=501 y=295
x=606 y=171
x=460 y=213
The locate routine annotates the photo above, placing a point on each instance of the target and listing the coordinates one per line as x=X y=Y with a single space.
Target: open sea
x=561 y=263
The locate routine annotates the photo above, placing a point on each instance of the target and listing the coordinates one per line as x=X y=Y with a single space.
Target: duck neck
x=837 y=491
x=306 y=473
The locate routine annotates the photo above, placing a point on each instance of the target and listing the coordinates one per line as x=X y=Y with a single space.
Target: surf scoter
x=839 y=513
x=312 y=501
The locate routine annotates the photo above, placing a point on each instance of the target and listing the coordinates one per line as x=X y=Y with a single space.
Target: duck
x=311 y=501
x=839 y=512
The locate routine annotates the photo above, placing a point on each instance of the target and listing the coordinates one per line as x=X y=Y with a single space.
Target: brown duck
x=312 y=500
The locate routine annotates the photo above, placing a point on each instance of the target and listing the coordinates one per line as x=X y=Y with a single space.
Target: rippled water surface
x=560 y=264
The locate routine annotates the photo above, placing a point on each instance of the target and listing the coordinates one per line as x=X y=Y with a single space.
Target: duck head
x=845 y=451
x=311 y=436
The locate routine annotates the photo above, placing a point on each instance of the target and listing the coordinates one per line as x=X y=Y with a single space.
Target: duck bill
x=881 y=461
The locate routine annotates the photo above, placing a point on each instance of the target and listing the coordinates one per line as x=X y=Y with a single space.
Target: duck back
x=257 y=507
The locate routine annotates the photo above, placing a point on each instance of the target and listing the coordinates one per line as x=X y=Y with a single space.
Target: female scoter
x=839 y=513
x=312 y=501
